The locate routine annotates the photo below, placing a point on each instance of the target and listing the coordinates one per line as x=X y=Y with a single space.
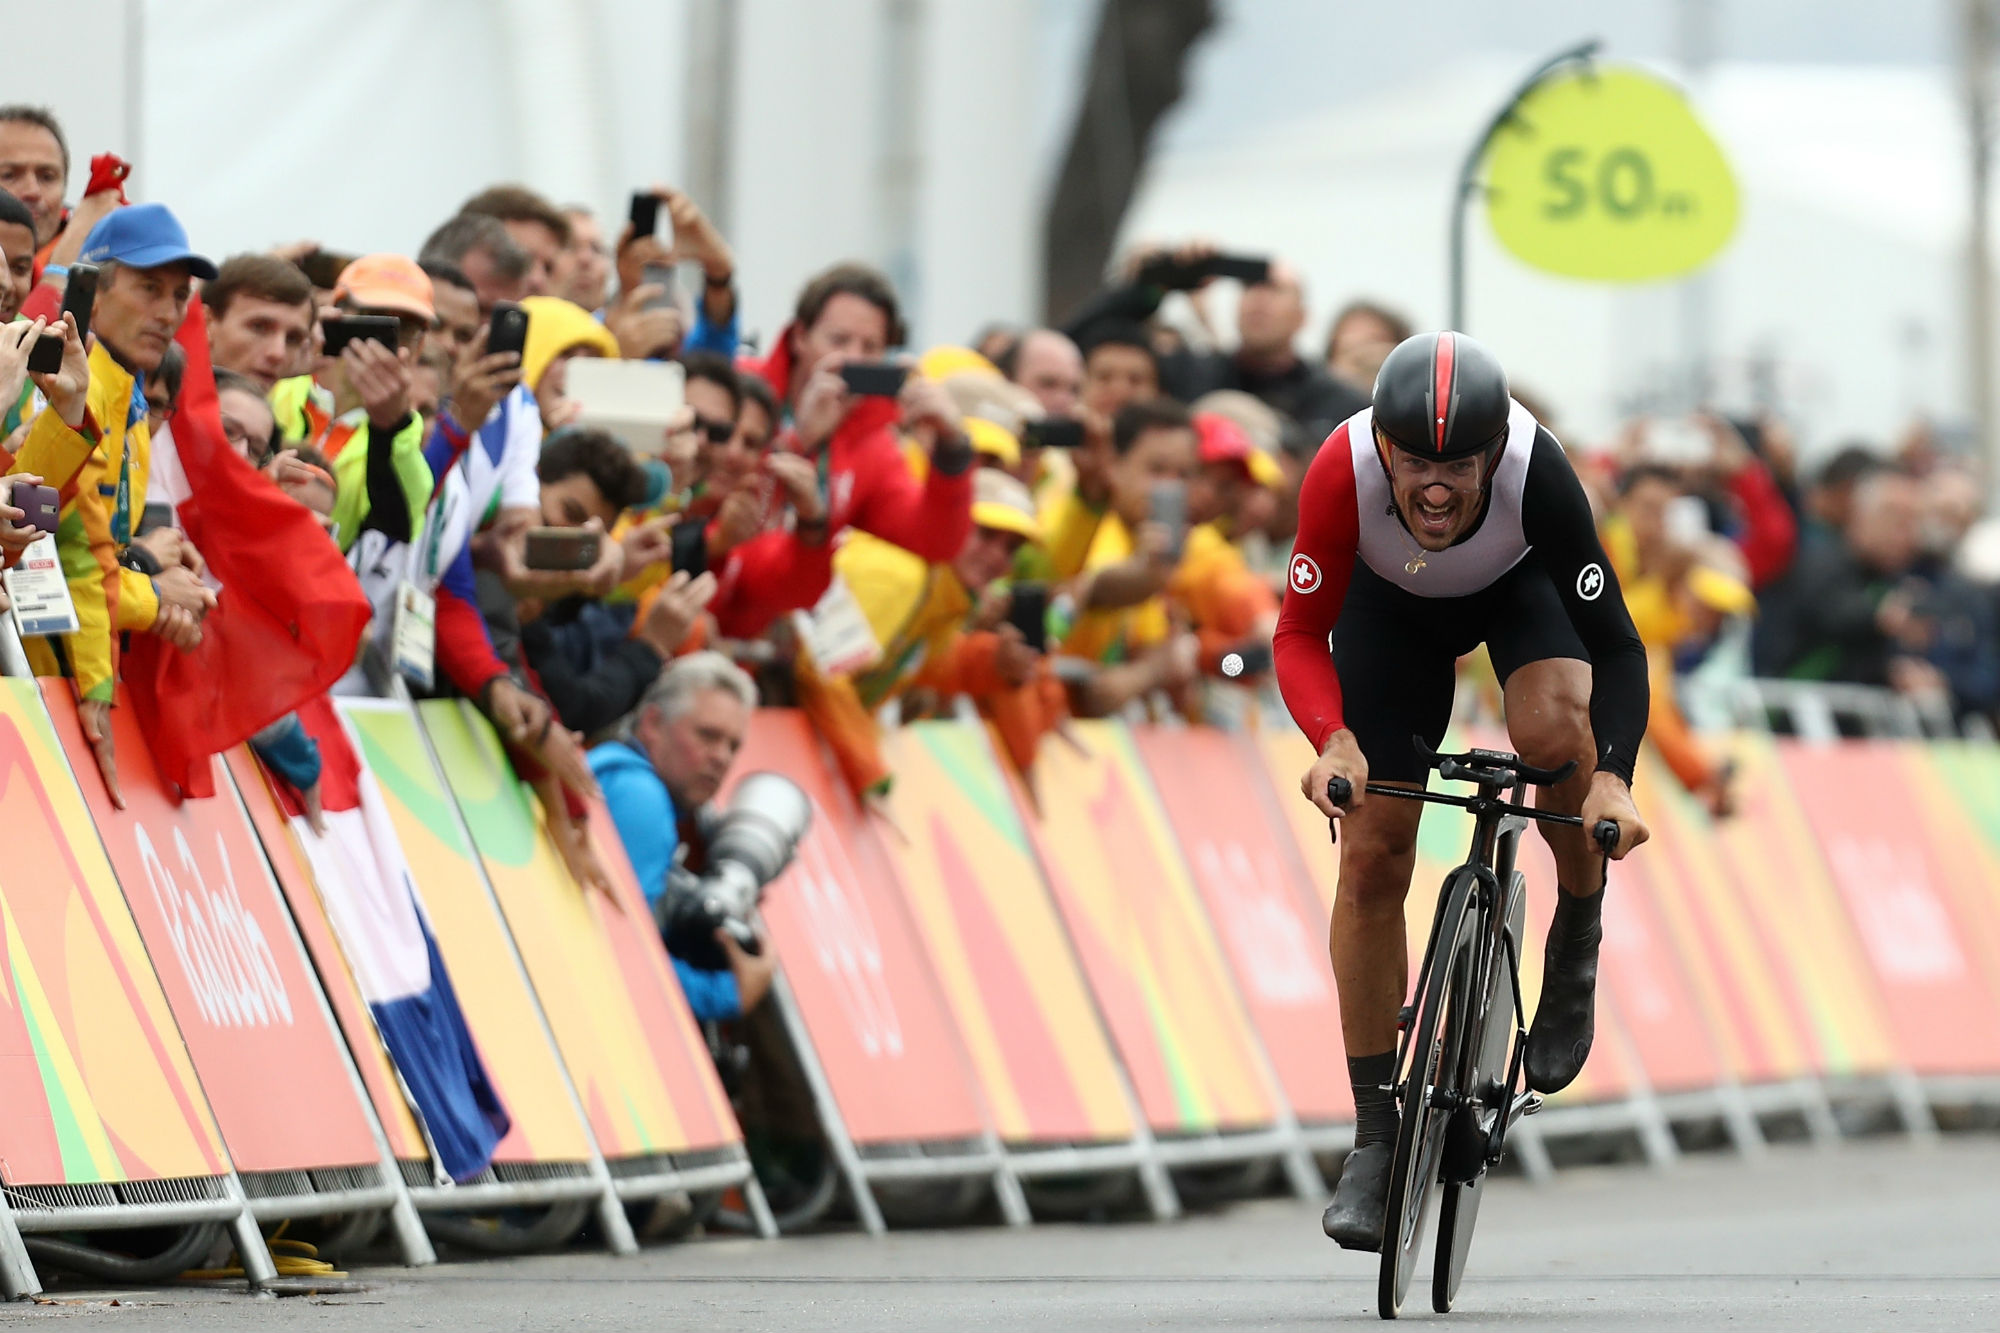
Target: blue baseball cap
x=143 y=236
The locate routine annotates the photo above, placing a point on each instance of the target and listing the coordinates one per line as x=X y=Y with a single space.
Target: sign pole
x=1468 y=173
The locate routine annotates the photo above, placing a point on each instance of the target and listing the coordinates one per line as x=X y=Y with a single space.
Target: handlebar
x=1340 y=792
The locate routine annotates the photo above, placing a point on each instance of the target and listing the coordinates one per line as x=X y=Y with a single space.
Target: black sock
x=1577 y=927
x=1374 y=1099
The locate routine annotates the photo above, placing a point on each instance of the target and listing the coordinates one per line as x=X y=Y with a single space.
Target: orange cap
x=387 y=282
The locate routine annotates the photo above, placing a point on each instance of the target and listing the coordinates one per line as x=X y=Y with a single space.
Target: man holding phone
x=666 y=228
x=1269 y=317
x=846 y=318
x=150 y=584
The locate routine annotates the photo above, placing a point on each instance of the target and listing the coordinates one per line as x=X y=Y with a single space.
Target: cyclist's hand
x=1611 y=799
x=1342 y=758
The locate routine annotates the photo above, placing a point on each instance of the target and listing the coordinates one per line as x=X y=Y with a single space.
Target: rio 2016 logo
x=218 y=943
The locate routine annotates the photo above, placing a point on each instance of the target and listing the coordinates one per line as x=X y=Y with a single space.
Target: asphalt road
x=1878 y=1235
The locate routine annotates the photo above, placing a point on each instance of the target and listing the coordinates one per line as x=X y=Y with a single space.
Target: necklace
x=1416 y=562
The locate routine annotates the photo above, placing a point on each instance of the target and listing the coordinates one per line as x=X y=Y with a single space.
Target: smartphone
x=1028 y=612
x=1168 y=508
x=40 y=505
x=1053 y=433
x=562 y=548
x=875 y=379
x=78 y=297
x=323 y=267
x=645 y=213
x=661 y=276
x=509 y=330
x=1246 y=269
x=344 y=329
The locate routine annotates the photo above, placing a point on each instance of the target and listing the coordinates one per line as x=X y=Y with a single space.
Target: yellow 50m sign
x=1605 y=173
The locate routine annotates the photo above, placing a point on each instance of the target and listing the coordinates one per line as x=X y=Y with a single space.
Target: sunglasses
x=718 y=432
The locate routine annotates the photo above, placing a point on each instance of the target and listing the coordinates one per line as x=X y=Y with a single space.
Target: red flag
x=290 y=614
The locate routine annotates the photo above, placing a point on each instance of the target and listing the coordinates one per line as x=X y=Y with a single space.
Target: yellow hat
x=555 y=326
x=940 y=362
x=995 y=441
x=1264 y=469
x=1003 y=504
x=1721 y=592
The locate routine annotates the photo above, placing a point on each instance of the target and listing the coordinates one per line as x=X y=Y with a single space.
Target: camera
x=749 y=844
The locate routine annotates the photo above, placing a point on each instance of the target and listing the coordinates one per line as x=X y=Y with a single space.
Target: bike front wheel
x=1490 y=1066
x=1427 y=1092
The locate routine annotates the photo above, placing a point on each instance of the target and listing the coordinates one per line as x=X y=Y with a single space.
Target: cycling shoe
x=1566 y=1019
x=1354 y=1218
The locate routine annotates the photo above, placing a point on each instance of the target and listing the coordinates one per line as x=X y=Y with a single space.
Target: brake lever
x=1339 y=791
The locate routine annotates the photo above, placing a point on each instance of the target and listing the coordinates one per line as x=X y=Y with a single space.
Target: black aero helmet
x=1442 y=396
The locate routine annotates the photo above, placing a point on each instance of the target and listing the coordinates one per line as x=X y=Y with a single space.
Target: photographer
x=658 y=781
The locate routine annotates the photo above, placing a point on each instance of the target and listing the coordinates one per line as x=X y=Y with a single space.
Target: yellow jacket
x=916 y=609
x=98 y=519
x=1121 y=634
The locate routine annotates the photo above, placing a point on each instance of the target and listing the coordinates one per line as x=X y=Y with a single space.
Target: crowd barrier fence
x=1115 y=969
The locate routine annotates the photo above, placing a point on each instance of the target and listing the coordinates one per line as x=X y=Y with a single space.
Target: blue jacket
x=648 y=825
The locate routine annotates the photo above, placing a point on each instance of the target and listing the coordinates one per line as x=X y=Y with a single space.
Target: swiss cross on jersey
x=1305 y=574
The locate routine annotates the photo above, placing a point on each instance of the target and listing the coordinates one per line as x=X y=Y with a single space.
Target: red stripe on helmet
x=1441 y=364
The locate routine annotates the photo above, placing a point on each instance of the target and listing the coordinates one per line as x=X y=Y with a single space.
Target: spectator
x=1122 y=622
x=460 y=329
x=373 y=387
x=1862 y=612
x=260 y=318
x=247 y=422
x=34 y=166
x=119 y=583
x=534 y=224
x=643 y=317
x=163 y=391
x=1682 y=588
x=1119 y=366
x=559 y=332
x=1047 y=364
x=1266 y=362
x=1827 y=502
x=1229 y=607
x=17 y=252
x=588 y=479
x=586 y=266
x=1361 y=335
x=658 y=781
x=848 y=313
x=481 y=248
x=920 y=614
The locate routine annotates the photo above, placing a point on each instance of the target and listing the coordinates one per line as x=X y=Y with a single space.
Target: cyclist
x=1441 y=517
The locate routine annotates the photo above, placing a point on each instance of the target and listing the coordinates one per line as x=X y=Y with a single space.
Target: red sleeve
x=1316 y=585
x=932 y=520
x=772 y=573
x=464 y=650
x=1770 y=530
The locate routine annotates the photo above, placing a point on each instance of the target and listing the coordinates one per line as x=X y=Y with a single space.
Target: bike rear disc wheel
x=1459 y=1209
x=1433 y=1068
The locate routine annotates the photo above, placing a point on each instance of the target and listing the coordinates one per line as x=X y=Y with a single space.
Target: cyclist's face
x=1438 y=501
